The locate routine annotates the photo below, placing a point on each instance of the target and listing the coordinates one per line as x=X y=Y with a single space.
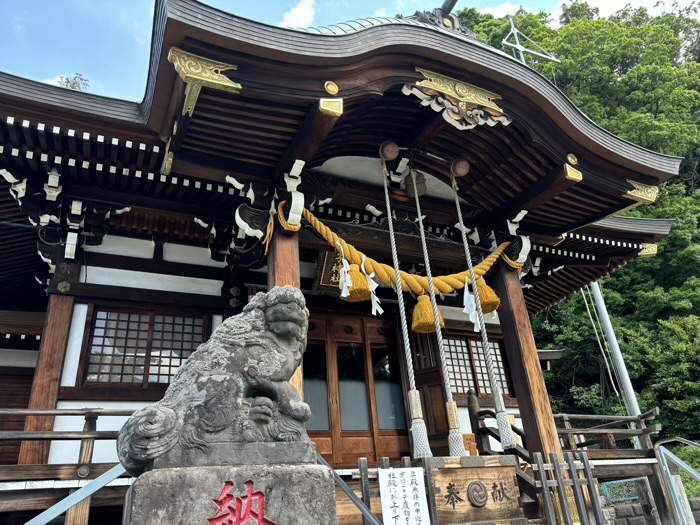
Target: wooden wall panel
x=15 y=388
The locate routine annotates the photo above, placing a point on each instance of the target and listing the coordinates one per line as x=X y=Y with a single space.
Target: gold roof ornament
x=465 y=93
x=462 y=105
x=642 y=193
x=648 y=250
x=571 y=173
x=198 y=72
x=331 y=88
x=331 y=106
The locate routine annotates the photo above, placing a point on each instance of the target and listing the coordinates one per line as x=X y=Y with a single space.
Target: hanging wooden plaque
x=327 y=279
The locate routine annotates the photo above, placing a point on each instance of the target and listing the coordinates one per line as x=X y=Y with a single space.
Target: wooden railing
x=575 y=433
x=82 y=469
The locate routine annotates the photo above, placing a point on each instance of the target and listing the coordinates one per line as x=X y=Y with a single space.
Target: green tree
x=637 y=75
x=77 y=82
x=577 y=10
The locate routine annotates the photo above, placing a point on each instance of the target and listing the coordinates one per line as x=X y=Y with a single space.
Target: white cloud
x=502 y=10
x=53 y=81
x=301 y=15
x=382 y=11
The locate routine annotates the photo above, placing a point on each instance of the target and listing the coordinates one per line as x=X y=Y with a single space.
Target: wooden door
x=432 y=390
x=358 y=403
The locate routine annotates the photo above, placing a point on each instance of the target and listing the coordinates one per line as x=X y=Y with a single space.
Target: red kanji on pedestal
x=240 y=511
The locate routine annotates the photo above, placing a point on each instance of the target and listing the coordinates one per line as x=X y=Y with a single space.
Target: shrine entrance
x=354 y=383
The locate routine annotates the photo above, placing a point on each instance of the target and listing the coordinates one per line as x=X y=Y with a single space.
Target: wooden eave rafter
x=558 y=181
x=179 y=19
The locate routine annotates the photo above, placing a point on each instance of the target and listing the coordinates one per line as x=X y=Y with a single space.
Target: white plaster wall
x=216 y=320
x=182 y=253
x=115 y=245
x=150 y=281
x=105 y=450
x=75 y=344
x=143 y=249
x=18 y=358
x=456 y=314
x=465 y=426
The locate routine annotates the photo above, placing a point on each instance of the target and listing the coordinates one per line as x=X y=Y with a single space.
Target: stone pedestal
x=259 y=494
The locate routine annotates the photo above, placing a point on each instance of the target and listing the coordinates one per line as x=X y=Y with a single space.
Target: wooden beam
x=544 y=190
x=49 y=367
x=435 y=126
x=164 y=207
x=524 y=364
x=283 y=270
x=311 y=135
x=140 y=295
x=136 y=264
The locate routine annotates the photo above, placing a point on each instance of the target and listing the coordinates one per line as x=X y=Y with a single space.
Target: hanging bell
x=420 y=185
x=360 y=290
x=489 y=300
x=423 y=318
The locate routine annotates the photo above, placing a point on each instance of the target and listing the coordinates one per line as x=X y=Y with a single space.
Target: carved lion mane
x=233 y=388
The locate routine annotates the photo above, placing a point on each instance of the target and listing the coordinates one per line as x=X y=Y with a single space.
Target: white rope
x=455 y=439
x=504 y=427
x=421 y=445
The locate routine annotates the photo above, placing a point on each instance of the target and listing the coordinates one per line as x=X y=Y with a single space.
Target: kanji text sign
x=403 y=496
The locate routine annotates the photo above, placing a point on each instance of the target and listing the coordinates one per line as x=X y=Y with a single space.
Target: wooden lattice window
x=479 y=358
x=466 y=364
x=459 y=365
x=140 y=347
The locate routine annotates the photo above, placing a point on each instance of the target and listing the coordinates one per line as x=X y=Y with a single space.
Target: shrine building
x=264 y=156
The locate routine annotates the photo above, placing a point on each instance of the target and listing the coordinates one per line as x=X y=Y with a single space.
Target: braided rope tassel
x=455 y=439
x=504 y=427
x=419 y=432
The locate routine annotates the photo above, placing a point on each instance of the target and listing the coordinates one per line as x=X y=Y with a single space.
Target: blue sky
x=108 y=41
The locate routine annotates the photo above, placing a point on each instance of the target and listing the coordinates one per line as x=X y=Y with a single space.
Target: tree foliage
x=637 y=75
x=77 y=82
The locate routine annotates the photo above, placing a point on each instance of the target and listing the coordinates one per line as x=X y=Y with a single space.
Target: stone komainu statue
x=234 y=388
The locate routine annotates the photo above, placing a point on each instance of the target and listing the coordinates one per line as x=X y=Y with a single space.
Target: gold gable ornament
x=465 y=93
x=198 y=72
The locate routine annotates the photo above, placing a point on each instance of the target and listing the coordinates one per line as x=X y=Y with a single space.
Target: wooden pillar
x=283 y=270
x=524 y=365
x=49 y=366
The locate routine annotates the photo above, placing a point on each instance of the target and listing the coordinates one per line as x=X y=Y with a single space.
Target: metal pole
x=615 y=353
x=624 y=379
x=364 y=509
x=79 y=495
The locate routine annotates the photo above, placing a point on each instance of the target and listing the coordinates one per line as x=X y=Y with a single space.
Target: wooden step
x=347 y=512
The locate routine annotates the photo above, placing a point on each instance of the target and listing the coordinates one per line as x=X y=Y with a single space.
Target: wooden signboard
x=327 y=279
x=403 y=496
x=475 y=489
